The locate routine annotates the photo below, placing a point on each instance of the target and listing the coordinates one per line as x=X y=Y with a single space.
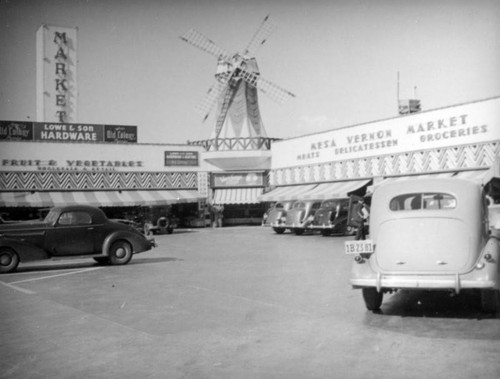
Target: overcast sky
x=339 y=57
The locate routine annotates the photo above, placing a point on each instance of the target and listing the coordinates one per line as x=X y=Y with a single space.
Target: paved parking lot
x=238 y=302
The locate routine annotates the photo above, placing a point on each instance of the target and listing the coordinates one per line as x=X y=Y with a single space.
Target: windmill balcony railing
x=235 y=144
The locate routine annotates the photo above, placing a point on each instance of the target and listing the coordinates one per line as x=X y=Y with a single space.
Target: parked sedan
x=275 y=217
x=454 y=249
x=70 y=231
x=331 y=217
x=301 y=215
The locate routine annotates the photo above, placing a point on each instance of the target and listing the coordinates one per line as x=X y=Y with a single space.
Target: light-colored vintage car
x=428 y=234
x=275 y=217
x=301 y=215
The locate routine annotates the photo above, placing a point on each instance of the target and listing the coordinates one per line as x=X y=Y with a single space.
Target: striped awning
x=237 y=195
x=336 y=190
x=287 y=193
x=98 y=198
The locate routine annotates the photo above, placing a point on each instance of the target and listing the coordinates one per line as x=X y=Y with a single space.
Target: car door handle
x=400 y=262
x=441 y=263
x=91 y=228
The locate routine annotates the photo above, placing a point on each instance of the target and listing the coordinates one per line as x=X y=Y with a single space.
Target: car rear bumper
x=455 y=282
x=322 y=227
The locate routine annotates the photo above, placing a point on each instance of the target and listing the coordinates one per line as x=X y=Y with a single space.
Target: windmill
x=235 y=90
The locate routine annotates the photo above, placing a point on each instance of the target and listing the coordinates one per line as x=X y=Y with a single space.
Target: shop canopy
x=333 y=190
x=98 y=198
x=237 y=195
x=336 y=190
x=287 y=193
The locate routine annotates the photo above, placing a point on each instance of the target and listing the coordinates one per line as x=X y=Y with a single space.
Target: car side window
x=75 y=218
x=417 y=201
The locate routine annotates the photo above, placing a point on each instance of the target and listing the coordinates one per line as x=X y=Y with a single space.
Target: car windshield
x=75 y=218
x=418 y=201
x=299 y=204
x=330 y=203
x=279 y=206
x=51 y=217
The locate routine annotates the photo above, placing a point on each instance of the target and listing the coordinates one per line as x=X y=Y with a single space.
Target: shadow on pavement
x=59 y=265
x=404 y=312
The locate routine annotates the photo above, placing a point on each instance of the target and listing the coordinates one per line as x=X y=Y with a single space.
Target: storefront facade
x=50 y=164
x=457 y=140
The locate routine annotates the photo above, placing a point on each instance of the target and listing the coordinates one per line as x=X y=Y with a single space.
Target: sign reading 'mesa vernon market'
x=64 y=132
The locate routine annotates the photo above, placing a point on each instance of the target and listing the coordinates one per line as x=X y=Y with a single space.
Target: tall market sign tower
x=56 y=72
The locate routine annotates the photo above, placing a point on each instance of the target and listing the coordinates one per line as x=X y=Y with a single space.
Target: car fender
x=139 y=243
x=25 y=250
x=487 y=267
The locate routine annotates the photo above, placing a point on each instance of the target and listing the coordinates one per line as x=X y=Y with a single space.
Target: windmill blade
x=271 y=89
x=260 y=36
x=195 y=38
x=214 y=92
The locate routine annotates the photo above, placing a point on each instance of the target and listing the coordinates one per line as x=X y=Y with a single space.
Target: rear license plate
x=359 y=247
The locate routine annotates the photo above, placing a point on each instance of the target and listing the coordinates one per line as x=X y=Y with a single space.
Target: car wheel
x=299 y=231
x=170 y=230
x=373 y=298
x=120 y=253
x=102 y=260
x=279 y=230
x=490 y=300
x=8 y=260
x=326 y=232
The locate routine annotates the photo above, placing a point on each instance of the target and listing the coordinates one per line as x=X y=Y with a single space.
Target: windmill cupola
x=223 y=68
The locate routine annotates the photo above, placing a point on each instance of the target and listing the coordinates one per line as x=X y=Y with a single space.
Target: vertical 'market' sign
x=56 y=79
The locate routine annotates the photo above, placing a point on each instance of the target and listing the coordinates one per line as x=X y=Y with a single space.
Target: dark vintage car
x=276 y=216
x=331 y=217
x=137 y=226
x=70 y=231
x=163 y=225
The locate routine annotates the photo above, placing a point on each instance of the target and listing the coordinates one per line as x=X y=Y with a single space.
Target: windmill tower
x=234 y=96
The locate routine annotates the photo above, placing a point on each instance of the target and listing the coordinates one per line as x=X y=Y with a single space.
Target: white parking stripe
x=55 y=276
x=28 y=292
x=50 y=269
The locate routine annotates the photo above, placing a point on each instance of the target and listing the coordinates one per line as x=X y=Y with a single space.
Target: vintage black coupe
x=70 y=231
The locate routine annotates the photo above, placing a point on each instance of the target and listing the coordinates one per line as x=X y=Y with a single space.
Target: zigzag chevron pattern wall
x=46 y=180
x=444 y=159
